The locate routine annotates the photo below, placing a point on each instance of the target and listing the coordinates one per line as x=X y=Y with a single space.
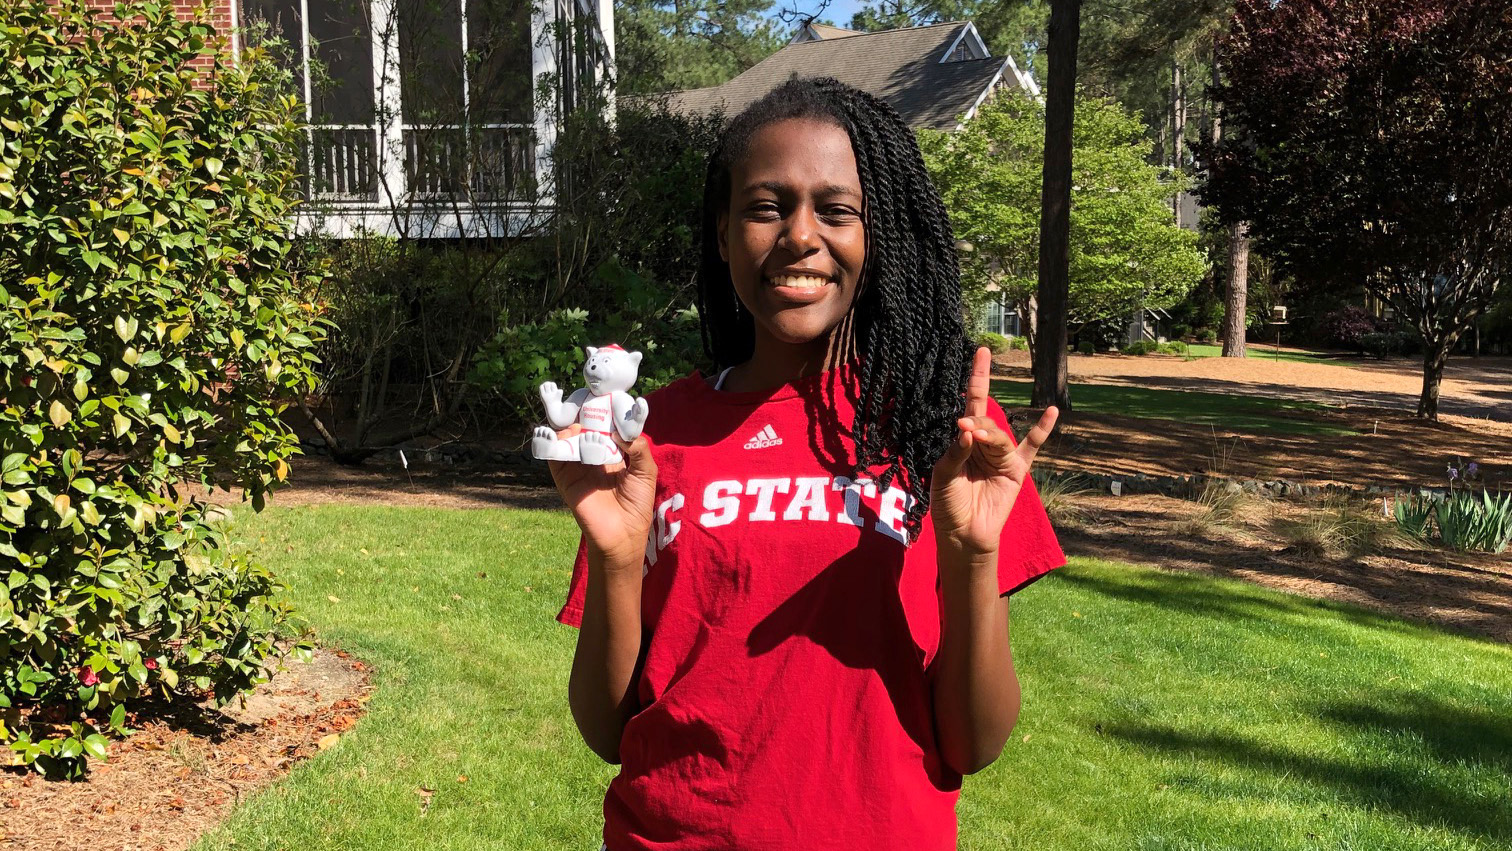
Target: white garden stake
x=603 y=405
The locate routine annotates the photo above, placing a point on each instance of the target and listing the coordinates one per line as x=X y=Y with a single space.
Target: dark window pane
x=430 y=61
x=342 y=60
x=498 y=42
x=274 y=24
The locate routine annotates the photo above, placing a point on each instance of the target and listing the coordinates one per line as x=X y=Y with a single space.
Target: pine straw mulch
x=187 y=765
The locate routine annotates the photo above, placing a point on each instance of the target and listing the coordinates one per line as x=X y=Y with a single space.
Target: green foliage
x=1173 y=347
x=1085 y=347
x=1141 y=347
x=1462 y=521
x=1126 y=250
x=996 y=342
x=1467 y=521
x=1018 y=344
x=1207 y=335
x=663 y=46
x=151 y=329
x=1414 y=516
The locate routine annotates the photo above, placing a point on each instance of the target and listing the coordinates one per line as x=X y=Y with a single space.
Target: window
x=463 y=108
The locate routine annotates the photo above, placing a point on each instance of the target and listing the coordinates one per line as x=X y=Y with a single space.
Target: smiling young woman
x=793 y=598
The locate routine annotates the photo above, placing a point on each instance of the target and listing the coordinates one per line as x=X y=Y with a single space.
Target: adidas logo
x=764 y=438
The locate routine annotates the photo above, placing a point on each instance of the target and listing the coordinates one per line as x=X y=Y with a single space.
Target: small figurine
x=604 y=404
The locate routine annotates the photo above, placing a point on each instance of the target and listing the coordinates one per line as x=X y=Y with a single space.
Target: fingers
x=979 y=386
x=956 y=455
x=1038 y=435
x=992 y=444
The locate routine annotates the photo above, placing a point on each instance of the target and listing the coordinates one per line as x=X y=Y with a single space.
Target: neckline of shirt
x=790 y=390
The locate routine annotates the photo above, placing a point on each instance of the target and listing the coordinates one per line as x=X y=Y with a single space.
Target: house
x=935 y=76
x=424 y=117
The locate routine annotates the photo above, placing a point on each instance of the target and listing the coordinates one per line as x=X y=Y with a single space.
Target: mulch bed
x=187 y=765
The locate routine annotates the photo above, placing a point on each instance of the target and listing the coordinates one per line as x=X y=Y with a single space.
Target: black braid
x=909 y=322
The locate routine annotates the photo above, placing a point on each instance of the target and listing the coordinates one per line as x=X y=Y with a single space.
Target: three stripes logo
x=764 y=438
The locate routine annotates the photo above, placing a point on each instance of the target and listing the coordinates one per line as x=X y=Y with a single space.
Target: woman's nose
x=802 y=232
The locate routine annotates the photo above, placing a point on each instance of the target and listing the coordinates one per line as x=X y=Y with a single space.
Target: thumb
x=638 y=460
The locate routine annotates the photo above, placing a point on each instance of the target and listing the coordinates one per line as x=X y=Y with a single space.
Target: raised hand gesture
x=980 y=475
x=611 y=503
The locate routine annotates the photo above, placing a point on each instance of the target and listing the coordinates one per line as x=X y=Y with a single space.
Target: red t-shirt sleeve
x=572 y=611
x=1029 y=548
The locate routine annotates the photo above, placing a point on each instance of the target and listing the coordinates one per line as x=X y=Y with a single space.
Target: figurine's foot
x=598 y=449
x=546 y=446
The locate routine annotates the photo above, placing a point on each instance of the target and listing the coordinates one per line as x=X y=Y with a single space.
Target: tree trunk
x=1050 y=387
x=1435 y=353
x=1235 y=305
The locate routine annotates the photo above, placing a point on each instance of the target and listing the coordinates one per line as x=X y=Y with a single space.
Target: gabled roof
x=910 y=68
x=814 y=32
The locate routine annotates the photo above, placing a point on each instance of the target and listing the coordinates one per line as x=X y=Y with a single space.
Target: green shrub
x=1141 y=347
x=1173 y=347
x=1086 y=348
x=151 y=330
x=1018 y=344
x=996 y=342
x=1180 y=331
x=1207 y=335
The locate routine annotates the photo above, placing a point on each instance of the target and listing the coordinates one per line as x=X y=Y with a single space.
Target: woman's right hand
x=613 y=504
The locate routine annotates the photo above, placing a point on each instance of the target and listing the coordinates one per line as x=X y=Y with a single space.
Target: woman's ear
x=720 y=220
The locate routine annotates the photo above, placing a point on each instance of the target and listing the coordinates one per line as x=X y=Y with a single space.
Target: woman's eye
x=841 y=213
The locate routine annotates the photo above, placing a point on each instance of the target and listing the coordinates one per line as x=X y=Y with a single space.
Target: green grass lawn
x=1263 y=351
x=1162 y=711
x=1246 y=413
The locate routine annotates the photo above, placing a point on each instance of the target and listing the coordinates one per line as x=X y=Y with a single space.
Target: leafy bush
x=1346 y=326
x=1173 y=347
x=1180 y=331
x=1086 y=347
x=1382 y=344
x=1141 y=347
x=1207 y=335
x=1414 y=516
x=996 y=342
x=1018 y=344
x=150 y=331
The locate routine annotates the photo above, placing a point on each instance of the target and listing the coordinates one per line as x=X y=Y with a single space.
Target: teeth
x=804 y=282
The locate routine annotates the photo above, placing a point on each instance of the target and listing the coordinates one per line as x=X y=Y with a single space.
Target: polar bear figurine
x=603 y=405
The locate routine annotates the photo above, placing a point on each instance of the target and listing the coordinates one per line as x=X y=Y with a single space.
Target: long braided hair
x=907 y=317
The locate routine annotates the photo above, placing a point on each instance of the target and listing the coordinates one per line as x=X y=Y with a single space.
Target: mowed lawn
x=1225 y=410
x=1162 y=711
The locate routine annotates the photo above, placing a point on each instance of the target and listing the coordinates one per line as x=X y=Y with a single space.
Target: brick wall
x=220 y=18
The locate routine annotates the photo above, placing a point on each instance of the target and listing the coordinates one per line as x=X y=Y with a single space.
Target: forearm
x=976 y=690
x=601 y=690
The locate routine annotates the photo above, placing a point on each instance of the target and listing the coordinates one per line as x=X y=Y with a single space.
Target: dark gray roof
x=900 y=66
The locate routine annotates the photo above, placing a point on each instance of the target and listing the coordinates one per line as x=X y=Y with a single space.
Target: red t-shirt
x=784 y=699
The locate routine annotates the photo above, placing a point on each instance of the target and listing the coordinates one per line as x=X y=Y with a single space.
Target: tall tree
x=1125 y=247
x=666 y=45
x=1050 y=387
x=1236 y=301
x=1373 y=149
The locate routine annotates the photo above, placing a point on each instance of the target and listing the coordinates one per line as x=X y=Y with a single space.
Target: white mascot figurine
x=603 y=405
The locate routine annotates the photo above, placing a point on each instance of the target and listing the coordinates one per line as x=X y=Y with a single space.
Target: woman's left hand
x=980 y=475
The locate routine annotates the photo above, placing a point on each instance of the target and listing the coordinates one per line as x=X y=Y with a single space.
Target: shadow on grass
x=1243 y=412
x=1395 y=737
x=1462 y=597
x=1197 y=596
